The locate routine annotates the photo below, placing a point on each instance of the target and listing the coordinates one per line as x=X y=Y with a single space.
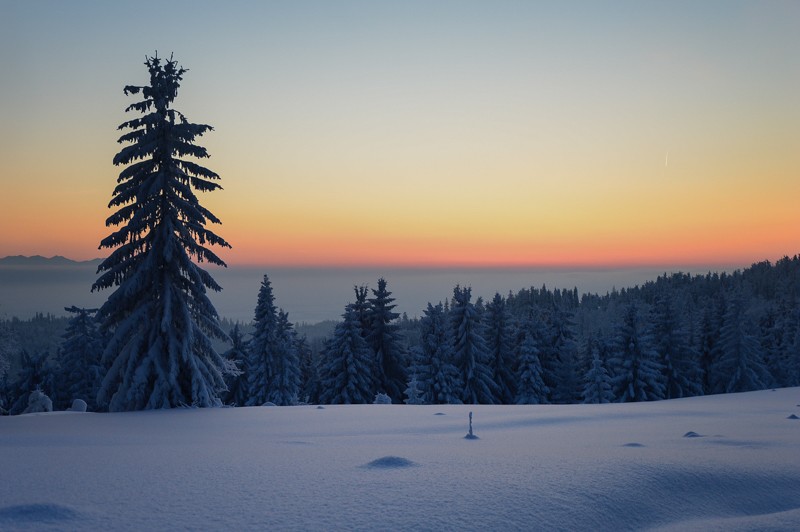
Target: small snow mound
x=320 y=407
x=390 y=462
x=78 y=405
x=793 y=416
x=34 y=513
x=692 y=434
x=269 y=403
x=440 y=414
x=633 y=444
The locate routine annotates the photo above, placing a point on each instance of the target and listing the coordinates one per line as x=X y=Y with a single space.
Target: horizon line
x=667 y=266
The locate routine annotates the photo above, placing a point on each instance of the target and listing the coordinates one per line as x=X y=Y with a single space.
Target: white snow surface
x=402 y=467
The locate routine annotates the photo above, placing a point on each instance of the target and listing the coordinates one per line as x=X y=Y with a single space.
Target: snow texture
x=536 y=467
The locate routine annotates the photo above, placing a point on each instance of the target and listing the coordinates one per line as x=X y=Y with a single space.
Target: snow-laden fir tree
x=561 y=373
x=160 y=353
x=500 y=340
x=707 y=340
x=263 y=346
x=413 y=393
x=79 y=360
x=437 y=377
x=284 y=384
x=531 y=388
x=679 y=362
x=635 y=366
x=470 y=352
x=387 y=347
x=740 y=366
x=597 y=381
x=34 y=374
x=346 y=365
x=237 y=393
x=8 y=346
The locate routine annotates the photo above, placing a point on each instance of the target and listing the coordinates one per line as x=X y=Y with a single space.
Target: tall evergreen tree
x=740 y=366
x=238 y=390
x=597 y=381
x=161 y=320
x=284 y=386
x=384 y=339
x=79 y=359
x=681 y=371
x=500 y=340
x=531 y=388
x=437 y=378
x=34 y=374
x=470 y=352
x=263 y=346
x=637 y=372
x=346 y=364
x=563 y=378
x=707 y=347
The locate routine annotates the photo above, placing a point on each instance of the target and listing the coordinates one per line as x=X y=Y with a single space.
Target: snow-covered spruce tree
x=160 y=319
x=680 y=363
x=284 y=384
x=387 y=348
x=531 y=388
x=561 y=374
x=500 y=340
x=345 y=370
x=470 y=352
x=740 y=366
x=79 y=359
x=413 y=393
x=263 y=346
x=597 y=382
x=635 y=366
x=34 y=374
x=437 y=378
x=237 y=393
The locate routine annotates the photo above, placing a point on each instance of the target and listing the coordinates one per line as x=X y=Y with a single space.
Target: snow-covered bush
x=382 y=399
x=38 y=402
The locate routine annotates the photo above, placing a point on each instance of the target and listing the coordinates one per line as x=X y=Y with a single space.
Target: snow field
x=370 y=467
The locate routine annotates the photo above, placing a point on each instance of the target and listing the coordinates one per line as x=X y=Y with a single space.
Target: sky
x=423 y=133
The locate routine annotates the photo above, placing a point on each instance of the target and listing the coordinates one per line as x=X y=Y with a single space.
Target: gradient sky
x=423 y=133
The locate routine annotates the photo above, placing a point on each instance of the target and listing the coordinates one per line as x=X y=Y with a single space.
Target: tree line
x=676 y=336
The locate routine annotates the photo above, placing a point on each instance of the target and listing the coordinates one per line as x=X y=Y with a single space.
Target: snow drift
x=572 y=467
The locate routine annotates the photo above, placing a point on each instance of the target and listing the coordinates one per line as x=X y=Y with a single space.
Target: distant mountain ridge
x=38 y=260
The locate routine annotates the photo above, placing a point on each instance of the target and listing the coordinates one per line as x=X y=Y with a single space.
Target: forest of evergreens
x=677 y=336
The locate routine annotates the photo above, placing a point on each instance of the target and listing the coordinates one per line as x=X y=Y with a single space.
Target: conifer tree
x=637 y=372
x=561 y=374
x=160 y=353
x=79 y=359
x=470 y=352
x=384 y=339
x=237 y=393
x=500 y=340
x=531 y=388
x=597 y=382
x=263 y=346
x=346 y=364
x=34 y=374
x=284 y=385
x=740 y=366
x=437 y=378
x=681 y=371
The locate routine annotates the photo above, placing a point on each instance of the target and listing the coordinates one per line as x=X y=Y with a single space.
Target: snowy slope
x=576 y=467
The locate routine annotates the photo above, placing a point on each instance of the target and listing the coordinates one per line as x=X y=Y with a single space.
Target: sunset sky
x=423 y=133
